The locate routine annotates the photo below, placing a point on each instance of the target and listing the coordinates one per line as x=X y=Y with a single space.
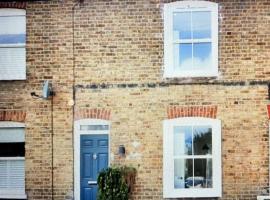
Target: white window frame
x=168 y=159
x=21 y=75
x=16 y=193
x=184 y=6
x=77 y=144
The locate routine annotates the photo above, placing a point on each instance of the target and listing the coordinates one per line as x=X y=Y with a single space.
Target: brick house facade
x=105 y=61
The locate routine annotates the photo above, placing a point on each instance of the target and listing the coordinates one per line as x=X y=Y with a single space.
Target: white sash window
x=190 y=39
x=191 y=157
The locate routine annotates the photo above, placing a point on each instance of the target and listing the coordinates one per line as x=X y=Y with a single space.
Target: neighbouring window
x=12 y=44
x=12 y=161
x=192 y=157
x=190 y=39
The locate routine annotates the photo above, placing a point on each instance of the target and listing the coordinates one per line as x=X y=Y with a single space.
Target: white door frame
x=77 y=134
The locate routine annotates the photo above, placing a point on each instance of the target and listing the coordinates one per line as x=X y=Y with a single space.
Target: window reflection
x=191 y=30
x=201 y=25
x=202 y=142
x=182 y=25
x=183 y=168
x=202 y=55
x=203 y=173
x=183 y=173
x=191 y=171
x=183 y=140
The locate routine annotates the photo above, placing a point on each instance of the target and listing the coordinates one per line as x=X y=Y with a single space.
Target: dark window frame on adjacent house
x=12 y=44
x=12 y=160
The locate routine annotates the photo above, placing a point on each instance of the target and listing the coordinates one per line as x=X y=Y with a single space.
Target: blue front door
x=94 y=158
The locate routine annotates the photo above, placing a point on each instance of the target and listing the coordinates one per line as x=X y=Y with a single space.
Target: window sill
x=192 y=193
x=190 y=80
x=22 y=78
x=210 y=74
x=263 y=197
x=13 y=196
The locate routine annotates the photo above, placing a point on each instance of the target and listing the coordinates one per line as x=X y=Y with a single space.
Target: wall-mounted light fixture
x=121 y=150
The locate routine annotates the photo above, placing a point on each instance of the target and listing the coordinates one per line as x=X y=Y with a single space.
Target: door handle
x=92 y=182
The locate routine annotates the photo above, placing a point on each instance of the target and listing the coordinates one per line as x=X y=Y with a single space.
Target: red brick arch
x=192 y=111
x=19 y=5
x=92 y=113
x=12 y=115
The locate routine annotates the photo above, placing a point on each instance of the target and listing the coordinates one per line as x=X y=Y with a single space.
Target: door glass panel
x=94 y=127
x=183 y=169
x=182 y=25
x=201 y=25
x=203 y=173
x=182 y=140
x=202 y=141
x=202 y=53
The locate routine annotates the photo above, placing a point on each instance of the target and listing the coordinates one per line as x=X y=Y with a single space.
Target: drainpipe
x=78 y=3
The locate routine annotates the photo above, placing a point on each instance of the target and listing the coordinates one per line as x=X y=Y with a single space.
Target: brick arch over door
x=18 y=5
x=94 y=113
x=12 y=115
x=192 y=111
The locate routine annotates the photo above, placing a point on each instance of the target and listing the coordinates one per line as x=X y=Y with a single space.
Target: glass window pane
x=13 y=31
x=12 y=176
x=202 y=140
x=202 y=53
x=11 y=134
x=201 y=25
x=181 y=25
x=12 y=149
x=12 y=59
x=182 y=140
x=203 y=173
x=183 y=170
x=12 y=39
x=94 y=127
x=183 y=56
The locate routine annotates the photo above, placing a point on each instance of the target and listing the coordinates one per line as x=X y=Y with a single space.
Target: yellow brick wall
x=137 y=115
